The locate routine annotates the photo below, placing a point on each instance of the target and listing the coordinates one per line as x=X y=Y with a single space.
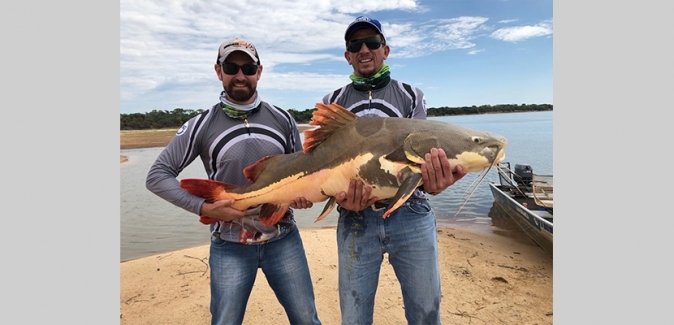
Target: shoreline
x=143 y=139
x=485 y=278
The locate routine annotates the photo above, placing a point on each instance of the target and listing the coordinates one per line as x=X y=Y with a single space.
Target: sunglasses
x=231 y=69
x=372 y=43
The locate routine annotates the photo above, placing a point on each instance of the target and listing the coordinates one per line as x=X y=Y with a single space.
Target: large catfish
x=383 y=152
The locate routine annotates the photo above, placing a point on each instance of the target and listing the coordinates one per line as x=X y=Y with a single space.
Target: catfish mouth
x=501 y=151
x=488 y=155
x=500 y=157
x=494 y=154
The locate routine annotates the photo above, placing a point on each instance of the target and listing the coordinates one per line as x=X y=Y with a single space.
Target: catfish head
x=472 y=149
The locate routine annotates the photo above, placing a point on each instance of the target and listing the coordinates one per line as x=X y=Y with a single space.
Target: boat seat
x=542 y=190
x=542 y=213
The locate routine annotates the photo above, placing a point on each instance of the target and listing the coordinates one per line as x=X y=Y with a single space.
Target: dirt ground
x=486 y=279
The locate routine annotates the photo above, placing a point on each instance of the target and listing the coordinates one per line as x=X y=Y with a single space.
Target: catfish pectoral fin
x=271 y=214
x=328 y=207
x=417 y=144
x=208 y=189
x=411 y=181
x=207 y=220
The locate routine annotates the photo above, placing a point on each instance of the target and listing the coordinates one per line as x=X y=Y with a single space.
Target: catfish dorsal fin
x=251 y=172
x=329 y=118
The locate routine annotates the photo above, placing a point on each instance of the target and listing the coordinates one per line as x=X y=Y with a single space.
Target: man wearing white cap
x=233 y=134
x=409 y=234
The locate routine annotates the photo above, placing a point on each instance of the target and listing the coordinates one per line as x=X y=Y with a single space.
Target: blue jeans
x=284 y=263
x=409 y=235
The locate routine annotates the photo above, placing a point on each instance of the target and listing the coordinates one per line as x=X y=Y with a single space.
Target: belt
x=379 y=205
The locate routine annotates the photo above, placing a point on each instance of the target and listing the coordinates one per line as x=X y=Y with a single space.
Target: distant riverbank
x=139 y=139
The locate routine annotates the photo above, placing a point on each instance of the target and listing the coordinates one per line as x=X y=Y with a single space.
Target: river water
x=150 y=225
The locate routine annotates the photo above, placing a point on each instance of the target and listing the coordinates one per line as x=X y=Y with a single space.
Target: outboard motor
x=524 y=174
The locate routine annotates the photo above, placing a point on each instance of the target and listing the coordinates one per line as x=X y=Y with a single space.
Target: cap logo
x=360 y=22
x=241 y=44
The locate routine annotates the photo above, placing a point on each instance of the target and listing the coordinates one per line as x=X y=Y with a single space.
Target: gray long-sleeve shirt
x=226 y=146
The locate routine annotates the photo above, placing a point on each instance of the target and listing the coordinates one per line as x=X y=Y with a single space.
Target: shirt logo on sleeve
x=182 y=129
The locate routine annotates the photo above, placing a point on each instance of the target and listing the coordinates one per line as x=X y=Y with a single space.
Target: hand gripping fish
x=385 y=153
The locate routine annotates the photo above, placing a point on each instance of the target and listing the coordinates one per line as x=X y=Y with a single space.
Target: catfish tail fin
x=208 y=189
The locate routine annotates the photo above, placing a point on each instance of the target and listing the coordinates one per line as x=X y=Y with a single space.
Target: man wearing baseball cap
x=409 y=234
x=364 y=22
x=237 y=44
x=235 y=133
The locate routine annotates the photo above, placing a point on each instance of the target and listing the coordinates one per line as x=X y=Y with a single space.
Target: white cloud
x=520 y=33
x=304 y=81
x=413 y=40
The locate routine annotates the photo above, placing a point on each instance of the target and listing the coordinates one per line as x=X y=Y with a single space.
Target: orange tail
x=208 y=189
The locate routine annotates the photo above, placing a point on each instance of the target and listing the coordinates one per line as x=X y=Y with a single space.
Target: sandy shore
x=136 y=139
x=486 y=279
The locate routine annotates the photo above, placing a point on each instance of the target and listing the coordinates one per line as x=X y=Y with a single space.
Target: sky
x=458 y=52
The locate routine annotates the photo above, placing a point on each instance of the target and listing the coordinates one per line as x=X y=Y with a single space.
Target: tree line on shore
x=161 y=119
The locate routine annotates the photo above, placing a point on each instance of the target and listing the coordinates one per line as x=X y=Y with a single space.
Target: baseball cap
x=363 y=22
x=237 y=44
